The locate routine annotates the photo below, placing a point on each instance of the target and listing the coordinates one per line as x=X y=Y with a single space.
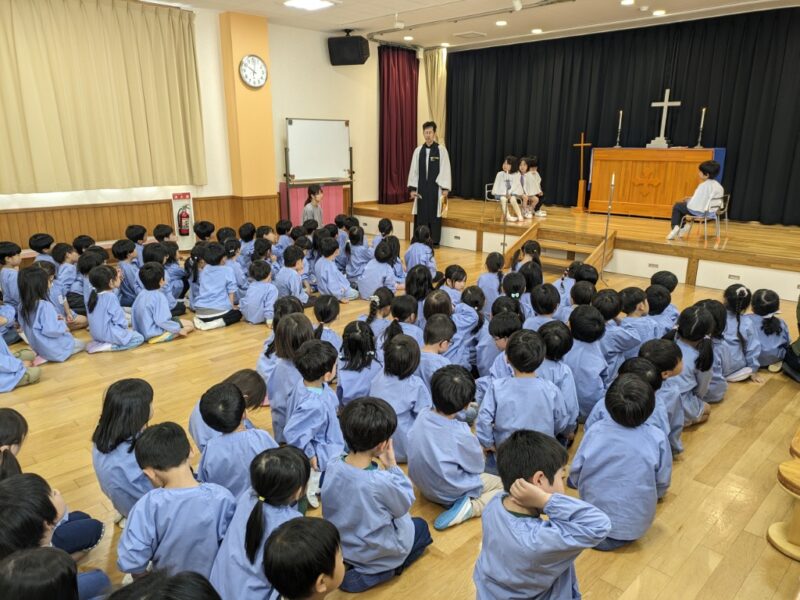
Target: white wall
x=306 y=85
x=215 y=134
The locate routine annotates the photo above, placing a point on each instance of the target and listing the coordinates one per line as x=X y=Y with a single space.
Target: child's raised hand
x=528 y=495
x=387 y=456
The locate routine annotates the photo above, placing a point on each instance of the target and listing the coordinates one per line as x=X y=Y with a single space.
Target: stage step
x=566 y=246
x=551 y=263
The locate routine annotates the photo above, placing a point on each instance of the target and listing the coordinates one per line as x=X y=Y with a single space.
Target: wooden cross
x=581 y=205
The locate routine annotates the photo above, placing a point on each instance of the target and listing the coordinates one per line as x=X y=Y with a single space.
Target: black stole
x=433 y=165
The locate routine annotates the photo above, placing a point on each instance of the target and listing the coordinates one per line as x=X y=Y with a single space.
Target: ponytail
x=771 y=325
x=394 y=329
x=474 y=297
x=705 y=356
x=500 y=281
x=696 y=324
x=254 y=531
x=373 y=309
x=766 y=303
x=8 y=464
x=100 y=279
x=318 y=331
x=737 y=299
x=515 y=259
x=358 y=346
x=92 y=303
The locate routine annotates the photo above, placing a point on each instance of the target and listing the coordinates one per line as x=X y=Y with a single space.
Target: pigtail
x=705 y=357
x=254 y=532
x=515 y=259
x=741 y=303
x=500 y=281
x=92 y=303
x=474 y=297
x=670 y=335
x=394 y=329
x=318 y=331
x=374 y=301
x=8 y=464
x=771 y=325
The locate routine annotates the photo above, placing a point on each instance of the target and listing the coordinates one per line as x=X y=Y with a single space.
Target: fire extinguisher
x=184 y=220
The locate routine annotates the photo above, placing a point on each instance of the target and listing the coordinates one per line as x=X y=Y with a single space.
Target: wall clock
x=253 y=71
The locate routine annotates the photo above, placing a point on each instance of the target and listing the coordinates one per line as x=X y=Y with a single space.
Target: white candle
x=702 y=117
x=612 y=178
x=620 y=121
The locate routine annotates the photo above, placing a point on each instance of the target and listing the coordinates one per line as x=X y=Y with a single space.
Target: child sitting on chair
x=706 y=199
x=501 y=190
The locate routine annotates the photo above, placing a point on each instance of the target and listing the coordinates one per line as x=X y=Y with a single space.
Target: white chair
x=489 y=197
x=715 y=208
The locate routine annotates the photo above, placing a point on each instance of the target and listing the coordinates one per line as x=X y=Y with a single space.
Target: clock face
x=253 y=71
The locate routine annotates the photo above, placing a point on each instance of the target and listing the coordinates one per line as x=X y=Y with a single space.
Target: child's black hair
x=136 y=233
x=122 y=249
x=232 y=246
x=532 y=273
x=26 y=510
x=60 y=251
x=439 y=328
x=277 y=476
x=315 y=358
x=630 y=298
x=290 y=333
x=504 y=304
x=186 y=585
x=283 y=226
x=665 y=278
x=419 y=282
x=582 y=293
x=80 y=243
x=252 y=386
x=326 y=310
x=737 y=300
x=504 y=325
x=162 y=447
x=292 y=255
x=332 y=230
x=33 y=285
x=247 y=231
x=339 y=221
x=222 y=407
x=557 y=340
x=474 y=297
x=514 y=285
x=381 y=298
x=296 y=233
x=161 y=232
x=204 y=230
x=587 y=324
x=328 y=247
x=401 y=356
x=630 y=400
x=350 y=222
x=88 y=261
x=13 y=431
x=710 y=168
x=525 y=351
x=422 y=235
x=100 y=278
x=394 y=247
x=355 y=237
x=39 y=574
x=644 y=368
x=310 y=226
x=545 y=299
x=39 y=242
x=172 y=251
x=192 y=265
x=7 y=250
x=665 y=354
x=586 y=273
x=513 y=162
x=263 y=231
x=767 y=302
x=658 y=299
x=452 y=389
x=214 y=253
x=358 y=346
x=720 y=314
x=262 y=248
x=695 y=325
x=530 y=248
x=313 y=190
x=437 y=302
x=155 y=252
x=297 y=553
x=225 y=233
x=525 y=453
x=259 y=270
x=403 y=307
x=608 y=302
x=99 y=250
x=284 y=306
x=383 y=252
x=385 y=227
x=367 y=422
x=48 y=268
x=454 y=274
x=494 y=264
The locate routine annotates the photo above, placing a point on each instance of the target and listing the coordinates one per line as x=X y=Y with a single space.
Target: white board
x=318 y=149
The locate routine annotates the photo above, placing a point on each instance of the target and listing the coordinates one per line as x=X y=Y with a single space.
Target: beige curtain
x=97 y=94
x=436 y=83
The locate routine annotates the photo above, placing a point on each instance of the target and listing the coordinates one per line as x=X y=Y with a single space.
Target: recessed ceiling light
x=445 y=45
x=536 y=31
x=659 y=13
x=627 y=2
x=308 y=4
x=408 y=38
x=501 y=23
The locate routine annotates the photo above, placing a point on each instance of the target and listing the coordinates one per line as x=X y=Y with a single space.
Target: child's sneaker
x=775 y=367
x=95 y=347
x=458 y=513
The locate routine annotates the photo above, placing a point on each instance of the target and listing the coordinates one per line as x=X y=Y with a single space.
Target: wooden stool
x=794 y=448
x=785 y=536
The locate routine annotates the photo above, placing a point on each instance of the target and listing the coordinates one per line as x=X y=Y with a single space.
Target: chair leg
x=785 y=536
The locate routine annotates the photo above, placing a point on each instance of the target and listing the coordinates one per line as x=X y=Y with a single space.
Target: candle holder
x=619 y=133
x=700 y=138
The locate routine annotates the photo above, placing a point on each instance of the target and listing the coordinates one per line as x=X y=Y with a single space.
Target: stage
x=754 y=254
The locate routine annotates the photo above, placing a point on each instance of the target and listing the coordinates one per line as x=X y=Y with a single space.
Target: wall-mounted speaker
x=348 y=50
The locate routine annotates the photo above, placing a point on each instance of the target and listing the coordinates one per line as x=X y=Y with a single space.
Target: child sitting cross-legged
x=369 y=505
x=445 y=460
x=523 y=555
x=150 y=315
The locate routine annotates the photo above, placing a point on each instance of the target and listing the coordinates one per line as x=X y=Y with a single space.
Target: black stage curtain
x=536 y=98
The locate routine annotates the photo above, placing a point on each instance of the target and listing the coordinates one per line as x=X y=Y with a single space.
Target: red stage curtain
x=399 y=74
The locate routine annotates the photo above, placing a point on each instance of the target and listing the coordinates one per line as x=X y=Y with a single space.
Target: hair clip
x=262 y=499
x=374 y=298
x=706 y=337
x=771 y=315
x=370 y=353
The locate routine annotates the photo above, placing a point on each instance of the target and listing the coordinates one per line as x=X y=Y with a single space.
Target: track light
x=517 y=4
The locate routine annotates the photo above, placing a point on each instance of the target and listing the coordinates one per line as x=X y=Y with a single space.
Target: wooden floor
x=708 y=539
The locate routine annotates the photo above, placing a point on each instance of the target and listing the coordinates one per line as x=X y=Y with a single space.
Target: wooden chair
x=785 y=536
x=716 y=208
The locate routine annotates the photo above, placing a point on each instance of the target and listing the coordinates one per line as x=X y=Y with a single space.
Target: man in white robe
x=429 y=181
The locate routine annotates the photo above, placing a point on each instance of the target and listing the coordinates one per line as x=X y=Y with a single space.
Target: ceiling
x=433 y=22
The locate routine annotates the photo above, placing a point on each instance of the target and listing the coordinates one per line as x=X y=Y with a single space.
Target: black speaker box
x=348 y=50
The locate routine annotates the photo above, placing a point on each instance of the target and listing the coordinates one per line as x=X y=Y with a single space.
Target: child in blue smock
x=16 y=368
x=514 y=287
x=158 y=253
x=566 y=282
x=385 y=229
x=369 y=505
x=226 y=458
x=404 y=313
x=282 y=228
x=740 y=338
x=258 y=303
x=194 y=266
x=179 y=525
x=378 y=273
x=668 y=360
x=358 y=254
x=326 y=311
x=586 y=358
x=717 y=385
x=439 y=331
x=420 y=252
x=396 y=261
x=658 y=301
x=107 y=321
x=490 y=341
x=278 y=479
x=624 y=449
x=127 y=407
x=637 y=319
x=668 y=280
x=178 y=278
x=358 y=362
x=247 y=234
x=544 y=301
x=47 y=335
x=267 y=360
x=232 y=254
x=404 y=391
x=580 y=294
x=312 y=424
x=523 y=401
x=329 y=279
x=617 y=341
x=343 y=224
x=58 y=298
x=419 y=284
x=8 y=320
x=453 y=282
x=10 y=259
x=491 y=282
x=380 y=309
x=137 y=234
x=523 y=555
x=66 y=272
x=125 y=253
x=289 y=280
x=445 y=460
x=558 y=342
x=772 y=331
x=215 y=303
x=532 y=273
x=42 y=244
x=150 y=315
x=290 y=333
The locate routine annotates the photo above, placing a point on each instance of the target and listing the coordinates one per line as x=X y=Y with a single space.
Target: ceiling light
x=659 y=13
x=501 y=23
x=517 y=5
x=627 y=2
x=536 y=31
x=408 y=38
x=308 y=4
x=445 y=45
